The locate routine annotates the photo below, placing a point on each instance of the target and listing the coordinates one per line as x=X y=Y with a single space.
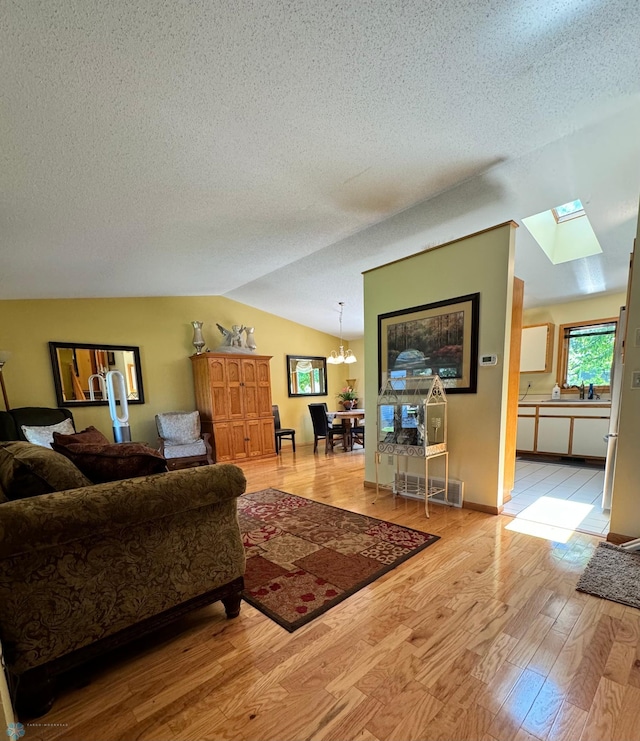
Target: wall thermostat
x=488 y=360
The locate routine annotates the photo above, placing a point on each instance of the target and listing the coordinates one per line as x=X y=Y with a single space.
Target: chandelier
x=336 y=358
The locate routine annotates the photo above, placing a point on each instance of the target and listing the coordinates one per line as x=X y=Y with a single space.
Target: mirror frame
x=57 y=378
x=290 y=385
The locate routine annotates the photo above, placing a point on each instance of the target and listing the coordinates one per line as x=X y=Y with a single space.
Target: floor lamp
x=4 y=356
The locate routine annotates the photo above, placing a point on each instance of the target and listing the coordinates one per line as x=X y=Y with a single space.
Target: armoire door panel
x=264 y=402
x=254 y=438
x=239 y=440
x=220 y=399
x=249 y=372
x=236 y=405
x=217 y=375
x=250 y=396
x=233 y=370
x=223 y=447
x=268 y=435
x=263 y=372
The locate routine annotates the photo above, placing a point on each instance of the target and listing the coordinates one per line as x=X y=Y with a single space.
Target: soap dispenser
x=555 y=394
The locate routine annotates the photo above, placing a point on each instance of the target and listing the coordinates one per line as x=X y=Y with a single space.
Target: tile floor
x=567 y=496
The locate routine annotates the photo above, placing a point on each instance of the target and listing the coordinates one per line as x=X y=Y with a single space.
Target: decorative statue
x=233 y=336
x=234 y=340
x=237 y=340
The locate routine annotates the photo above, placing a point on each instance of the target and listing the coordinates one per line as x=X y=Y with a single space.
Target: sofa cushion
x=88 y=436
x=115 y=461
x=43 y=435
x=185 y=451
x=178 y=428
x=28 y=470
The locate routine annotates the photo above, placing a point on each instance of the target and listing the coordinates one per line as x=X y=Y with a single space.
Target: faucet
x=580 y=389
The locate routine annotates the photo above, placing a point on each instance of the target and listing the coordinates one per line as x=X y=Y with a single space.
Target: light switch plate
x=636 y=341
x=635 y=380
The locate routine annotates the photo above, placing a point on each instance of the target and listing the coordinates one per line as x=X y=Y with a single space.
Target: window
x=567 y=211
x=586 y=353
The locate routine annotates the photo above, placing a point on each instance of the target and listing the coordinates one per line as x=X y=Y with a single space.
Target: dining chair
x=286 y=433
x=357 y=433
x=322 y=428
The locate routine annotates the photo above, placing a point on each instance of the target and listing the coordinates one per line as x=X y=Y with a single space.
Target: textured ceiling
x=272 y=151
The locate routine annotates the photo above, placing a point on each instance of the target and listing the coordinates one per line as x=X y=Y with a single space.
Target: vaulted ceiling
x=271 y=151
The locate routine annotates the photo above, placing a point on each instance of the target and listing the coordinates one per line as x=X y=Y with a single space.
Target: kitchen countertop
x=568 y=402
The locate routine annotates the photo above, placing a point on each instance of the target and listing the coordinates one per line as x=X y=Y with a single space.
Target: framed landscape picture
x=434 y=339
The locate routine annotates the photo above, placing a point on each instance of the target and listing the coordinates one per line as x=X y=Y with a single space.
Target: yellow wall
x=161 y=327
x=625 y=505
x=477 y=422
x=599 y=307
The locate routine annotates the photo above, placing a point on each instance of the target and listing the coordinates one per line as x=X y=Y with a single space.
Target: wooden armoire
x=233 y=396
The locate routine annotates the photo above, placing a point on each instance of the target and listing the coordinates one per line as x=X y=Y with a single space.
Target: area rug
x=613 y=574
x=304 y=557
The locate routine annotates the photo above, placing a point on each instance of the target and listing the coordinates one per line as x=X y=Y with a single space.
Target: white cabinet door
x=536 y=349
x=553 y=435
x=587 y=437
x=526 y=433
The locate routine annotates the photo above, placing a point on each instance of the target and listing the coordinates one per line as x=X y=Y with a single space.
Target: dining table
x=349 y=418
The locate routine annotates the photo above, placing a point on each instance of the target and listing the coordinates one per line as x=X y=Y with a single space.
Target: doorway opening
x=565 y=495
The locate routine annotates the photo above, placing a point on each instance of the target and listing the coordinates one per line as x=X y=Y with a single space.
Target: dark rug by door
x=614 y=574
x=304 y=557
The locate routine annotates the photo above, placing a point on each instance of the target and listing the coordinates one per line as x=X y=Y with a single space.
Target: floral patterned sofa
x=87 y=569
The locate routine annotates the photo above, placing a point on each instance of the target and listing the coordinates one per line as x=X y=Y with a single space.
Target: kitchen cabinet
x=233 y=396
x=525 y=437
x=588 y=437
x=553 y=435
x=569 y=429
x=536 y=349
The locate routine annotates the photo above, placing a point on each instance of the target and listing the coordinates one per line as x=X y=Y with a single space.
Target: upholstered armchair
x=182 y=441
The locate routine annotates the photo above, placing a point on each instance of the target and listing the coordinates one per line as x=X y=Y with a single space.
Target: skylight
x=567 y=211
x=562 y=235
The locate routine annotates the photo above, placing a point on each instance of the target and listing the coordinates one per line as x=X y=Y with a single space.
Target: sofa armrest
x=27 y=525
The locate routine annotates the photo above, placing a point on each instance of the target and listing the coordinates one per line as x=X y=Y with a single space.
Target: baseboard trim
x=486 y=508
x=617 y=538
x=369 y=484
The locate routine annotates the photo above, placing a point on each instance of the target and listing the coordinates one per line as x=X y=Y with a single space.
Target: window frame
x=578 y=213
x=563 y=352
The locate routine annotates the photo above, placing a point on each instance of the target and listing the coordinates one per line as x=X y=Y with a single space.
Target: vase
x=349 y=404
x=198 y=339
x=251 y=341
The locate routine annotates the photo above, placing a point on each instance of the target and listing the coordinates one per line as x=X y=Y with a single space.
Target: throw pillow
x=88 y=436
x=28 y=470
x=44 y=435
x=115 y=461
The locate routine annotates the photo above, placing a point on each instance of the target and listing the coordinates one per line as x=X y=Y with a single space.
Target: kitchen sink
x=575 y=401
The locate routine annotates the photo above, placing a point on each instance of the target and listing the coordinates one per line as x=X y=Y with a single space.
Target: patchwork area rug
x=613 y=574
x=304 y=557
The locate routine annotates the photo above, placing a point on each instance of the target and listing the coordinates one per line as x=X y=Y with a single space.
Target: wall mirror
x=307 y=375
x=79 y=372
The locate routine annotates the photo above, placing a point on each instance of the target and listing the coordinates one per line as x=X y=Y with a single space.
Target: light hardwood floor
x=480 y=636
